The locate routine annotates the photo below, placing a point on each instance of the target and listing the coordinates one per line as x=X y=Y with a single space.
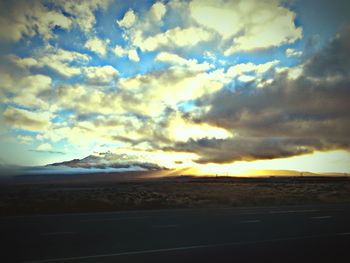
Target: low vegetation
x=182 y=192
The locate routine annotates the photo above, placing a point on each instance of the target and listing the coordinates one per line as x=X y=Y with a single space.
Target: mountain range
x=110 y=160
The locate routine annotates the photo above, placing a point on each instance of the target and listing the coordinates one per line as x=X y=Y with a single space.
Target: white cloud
x=26 y=90
x=88 y=100
x=147 y=94
x=29 y=89
x=25 y=139
x=181 y=130
x=216 y=16
x=257 y=69
x=132 y=55
x=153 y=92
x=252 y=24
x=97 y=45
x=7 y=81
x=209 y=55
x=103 y=129
x=246 y=78
x=291 y=52
x=119 y=51
x=292 y=72
x=28 y=18
x=157 y=11
x=44 y=147
x=145 y=30
x=173 y=38
x=242 y=25
x=36 y=83
x=24 y=62
x=101 y=75
x=57 y=59
x=82 y=11
x=27 y=120
x=128 y=20
x=177 y=60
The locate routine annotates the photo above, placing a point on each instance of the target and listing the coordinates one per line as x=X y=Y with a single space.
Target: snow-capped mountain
x=110 y=160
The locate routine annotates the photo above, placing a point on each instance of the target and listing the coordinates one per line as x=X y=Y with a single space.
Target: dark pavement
x=319 y=233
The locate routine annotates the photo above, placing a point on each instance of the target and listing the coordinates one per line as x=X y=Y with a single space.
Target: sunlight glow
x=318 y=162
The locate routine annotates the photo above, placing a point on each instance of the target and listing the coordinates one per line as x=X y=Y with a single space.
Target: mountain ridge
x=109 y=160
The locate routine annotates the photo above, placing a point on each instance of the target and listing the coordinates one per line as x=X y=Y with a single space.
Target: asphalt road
x=270 y=234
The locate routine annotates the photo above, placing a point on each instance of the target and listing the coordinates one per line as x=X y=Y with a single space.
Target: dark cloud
x=285 y=118
x=301 y=107
x=333 y=60
x=243 y=148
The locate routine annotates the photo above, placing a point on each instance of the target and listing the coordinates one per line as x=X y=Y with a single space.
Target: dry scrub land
x=179 y=192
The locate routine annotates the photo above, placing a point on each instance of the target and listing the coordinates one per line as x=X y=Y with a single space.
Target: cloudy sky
x=221 y=86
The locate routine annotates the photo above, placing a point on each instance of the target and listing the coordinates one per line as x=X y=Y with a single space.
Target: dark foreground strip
x=130 y=253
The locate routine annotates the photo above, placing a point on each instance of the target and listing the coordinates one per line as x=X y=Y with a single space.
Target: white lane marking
x=150 y=251
x=250 y=221
x=57 y=233
x=293 y=211
x=164 y=226
x=321 y=217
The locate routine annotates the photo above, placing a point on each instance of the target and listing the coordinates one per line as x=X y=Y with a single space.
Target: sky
x=219 y=86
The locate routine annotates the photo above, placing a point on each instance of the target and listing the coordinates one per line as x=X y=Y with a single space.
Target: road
x=319 y=233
